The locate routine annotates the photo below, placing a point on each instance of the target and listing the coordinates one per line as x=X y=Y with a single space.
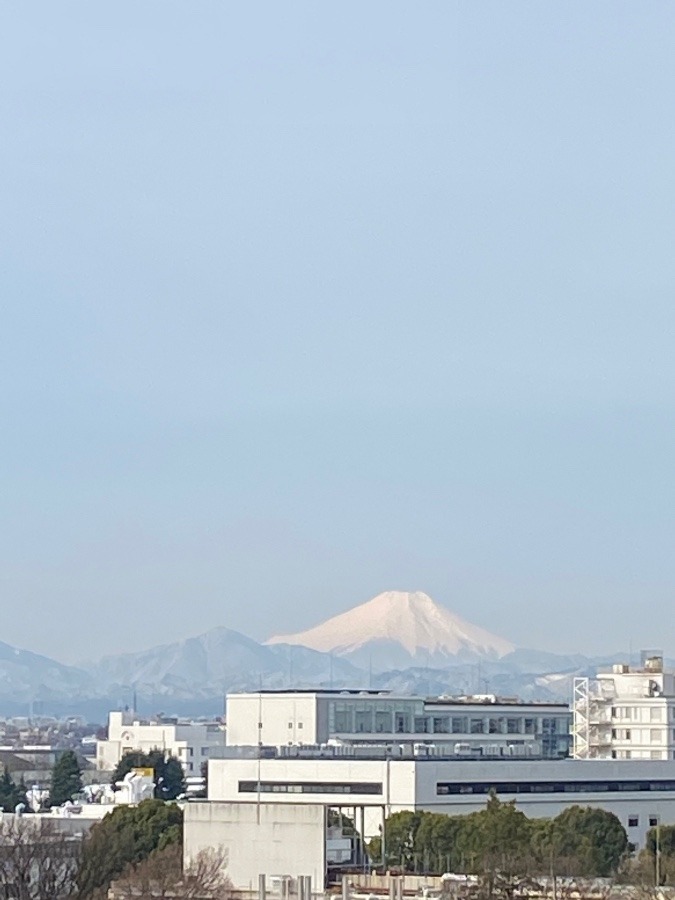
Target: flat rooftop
x=442 y=700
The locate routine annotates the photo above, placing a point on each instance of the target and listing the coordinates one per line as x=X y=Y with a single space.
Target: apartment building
x=625 y=712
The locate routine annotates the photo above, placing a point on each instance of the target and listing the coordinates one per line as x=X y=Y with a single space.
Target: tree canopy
x=126 y=836
x=66 y=778
x=500 y=839
x=11 y=794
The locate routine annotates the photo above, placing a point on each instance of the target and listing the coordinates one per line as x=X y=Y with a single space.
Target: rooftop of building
x=418 y=751
x=441 y=700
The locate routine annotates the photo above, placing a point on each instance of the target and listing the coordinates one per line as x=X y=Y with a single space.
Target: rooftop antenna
x=370 y=672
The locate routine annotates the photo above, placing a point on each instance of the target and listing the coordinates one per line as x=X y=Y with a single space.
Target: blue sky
x=307 y=301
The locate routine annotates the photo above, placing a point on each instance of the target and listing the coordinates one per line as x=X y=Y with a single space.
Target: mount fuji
x=399 y=629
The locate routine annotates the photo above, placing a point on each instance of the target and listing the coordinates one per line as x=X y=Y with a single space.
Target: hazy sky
x=306 y=301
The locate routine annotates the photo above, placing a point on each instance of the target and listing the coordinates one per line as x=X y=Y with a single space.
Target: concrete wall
x=267 y=838
x=412 y=784
x=286 y=719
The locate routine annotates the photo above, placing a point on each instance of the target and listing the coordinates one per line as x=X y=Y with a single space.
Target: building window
x=513 y=726
x=530 y=726
x=343 y=719
x=459 y=725
x=553 y=787
x=402 y=723
x=290 y=724
x=633 y=821
x=655 y=714
x=363 y=720
x=441 y=725
x=310 y=787
x=299 y=724
x=477 y=726
x=382 y=721
x=653 y=821
x=656 y=735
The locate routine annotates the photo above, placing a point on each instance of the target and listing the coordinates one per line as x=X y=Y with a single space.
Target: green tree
x=169 y=777
x=127 y=835
x=437 y=842
x=496 y=842
x=592 y=841
x=661 y=839
x=11 y=794
x=66 y=778
x=400 y=830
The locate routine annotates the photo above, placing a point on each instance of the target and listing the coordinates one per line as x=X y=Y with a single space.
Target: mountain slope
x=397 y=629
x=213 y=663
x=27 y=677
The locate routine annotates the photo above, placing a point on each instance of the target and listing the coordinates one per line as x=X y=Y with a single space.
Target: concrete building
x=484 y=723
x=280 y=841
x=376 y=785
x=190 y=742
x=625 y=713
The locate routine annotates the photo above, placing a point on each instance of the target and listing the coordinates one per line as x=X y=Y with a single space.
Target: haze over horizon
x=307 y=303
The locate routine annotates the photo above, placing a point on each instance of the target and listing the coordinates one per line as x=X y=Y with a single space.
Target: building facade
x=190 y=742
x=641 y=795
x=625 y=713
x=484 y=723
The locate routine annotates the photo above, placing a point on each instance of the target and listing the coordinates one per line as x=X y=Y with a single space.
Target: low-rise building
x=190 y=742
x=641 y=795
x=484 y=723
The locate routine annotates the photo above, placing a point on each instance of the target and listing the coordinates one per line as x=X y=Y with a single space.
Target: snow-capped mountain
x=213 y=663
x=397 y=629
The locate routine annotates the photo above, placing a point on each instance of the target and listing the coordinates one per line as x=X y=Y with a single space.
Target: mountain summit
x=398 y=629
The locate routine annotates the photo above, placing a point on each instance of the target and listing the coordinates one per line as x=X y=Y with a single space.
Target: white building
x=640 y=795
x=190 y=742
x=481 y=723
x=625 y=713
x=280 y=841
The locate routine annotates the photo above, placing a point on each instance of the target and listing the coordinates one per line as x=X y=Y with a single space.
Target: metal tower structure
x=581 y=719
x=592 y=718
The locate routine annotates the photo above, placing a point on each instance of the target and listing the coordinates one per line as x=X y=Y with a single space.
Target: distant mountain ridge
x=398 y=641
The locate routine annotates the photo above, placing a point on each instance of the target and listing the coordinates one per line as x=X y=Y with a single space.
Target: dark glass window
x=310 y=787
x=551 y=787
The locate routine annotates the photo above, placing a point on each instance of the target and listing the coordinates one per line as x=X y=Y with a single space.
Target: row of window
x=442 y=788
x=641 y=735
x=634 y=821
x=310 y=787
x=363 y=724
x=641 y=713
x=551 y=787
